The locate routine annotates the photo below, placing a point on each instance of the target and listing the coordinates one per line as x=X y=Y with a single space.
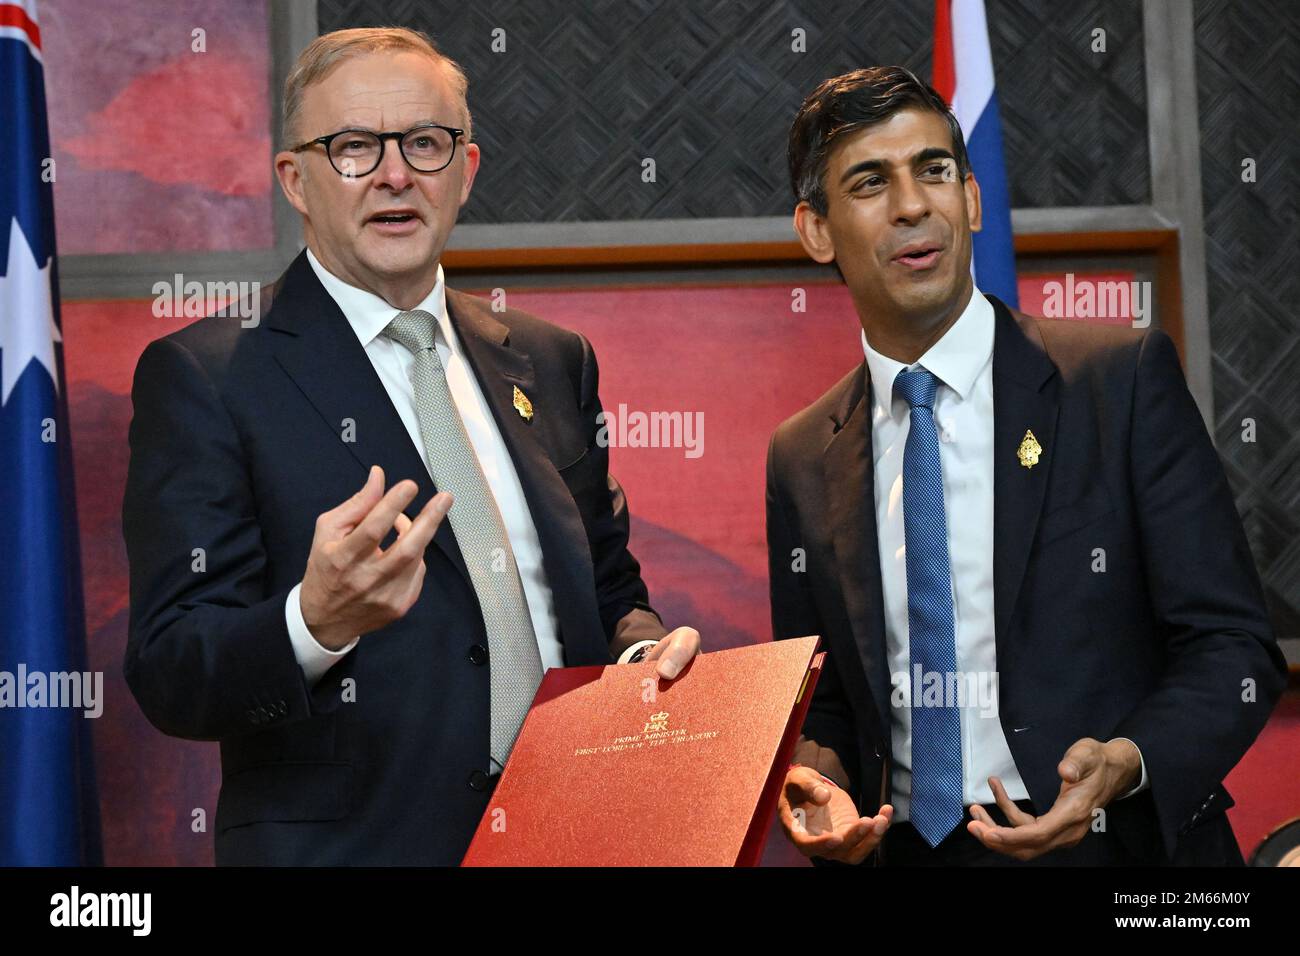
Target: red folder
x=615 y=767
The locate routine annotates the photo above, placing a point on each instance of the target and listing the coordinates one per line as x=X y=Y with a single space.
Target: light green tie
x=513 y=656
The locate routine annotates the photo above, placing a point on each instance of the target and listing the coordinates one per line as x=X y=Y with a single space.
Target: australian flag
x=49 y=813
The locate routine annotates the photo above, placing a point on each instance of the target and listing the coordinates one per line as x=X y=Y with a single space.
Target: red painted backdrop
x=739 y=355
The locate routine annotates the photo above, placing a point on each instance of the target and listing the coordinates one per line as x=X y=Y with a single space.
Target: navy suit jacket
x=240 y=439
x=1169 y=646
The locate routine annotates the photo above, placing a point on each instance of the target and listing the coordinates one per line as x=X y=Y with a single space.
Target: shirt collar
x=368 y=314
x=956 y=359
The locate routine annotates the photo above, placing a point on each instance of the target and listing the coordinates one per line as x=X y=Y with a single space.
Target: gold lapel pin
x=522 y=405
x=1029 y=451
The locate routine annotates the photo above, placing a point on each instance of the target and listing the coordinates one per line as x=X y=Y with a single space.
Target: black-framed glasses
x=358 y=152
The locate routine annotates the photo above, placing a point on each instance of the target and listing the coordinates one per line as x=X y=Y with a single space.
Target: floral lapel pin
x=1029 y=451
x=522 y=405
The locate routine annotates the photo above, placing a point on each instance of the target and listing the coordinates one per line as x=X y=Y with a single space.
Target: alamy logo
x=637 y=429
x=921 y=688
x=80 y=690
x=194 y=300
x=1098 y=299
x=75 y=908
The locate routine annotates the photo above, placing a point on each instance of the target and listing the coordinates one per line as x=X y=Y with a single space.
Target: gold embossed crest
x=523 y=406
x=1029 y=451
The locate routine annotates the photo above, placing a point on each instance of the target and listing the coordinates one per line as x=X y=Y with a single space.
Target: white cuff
x=314 y=659
x=1142 y=784
x=627 y=654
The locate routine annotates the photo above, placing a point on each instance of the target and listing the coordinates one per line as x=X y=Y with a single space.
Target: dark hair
x=847 y=103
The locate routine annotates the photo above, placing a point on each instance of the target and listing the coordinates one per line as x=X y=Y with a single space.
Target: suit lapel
x=566 y=555
x=317 y=348
x=1025 y=397
x=849 y=473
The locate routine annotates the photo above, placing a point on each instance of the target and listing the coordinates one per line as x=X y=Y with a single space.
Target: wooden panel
x=1163 y=243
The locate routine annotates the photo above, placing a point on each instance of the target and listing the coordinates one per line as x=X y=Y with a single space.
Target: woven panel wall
x=583 y=93
x=1248 y=92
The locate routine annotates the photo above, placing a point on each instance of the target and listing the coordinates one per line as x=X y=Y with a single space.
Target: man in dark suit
x=1046 y=637
x=366 y=657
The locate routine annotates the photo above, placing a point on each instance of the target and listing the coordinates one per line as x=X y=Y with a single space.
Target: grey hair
x=324 y=53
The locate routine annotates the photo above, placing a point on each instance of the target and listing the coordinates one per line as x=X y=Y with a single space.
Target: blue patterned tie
x=936 y=805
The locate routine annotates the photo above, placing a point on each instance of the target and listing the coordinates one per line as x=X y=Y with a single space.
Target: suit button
x=478 y=654
x=478 y=780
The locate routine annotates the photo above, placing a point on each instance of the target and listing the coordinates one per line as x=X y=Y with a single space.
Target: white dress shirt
x=369 y=315
x=962 y=361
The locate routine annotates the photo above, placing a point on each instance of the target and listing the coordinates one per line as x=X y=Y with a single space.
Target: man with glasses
x=359 y=531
